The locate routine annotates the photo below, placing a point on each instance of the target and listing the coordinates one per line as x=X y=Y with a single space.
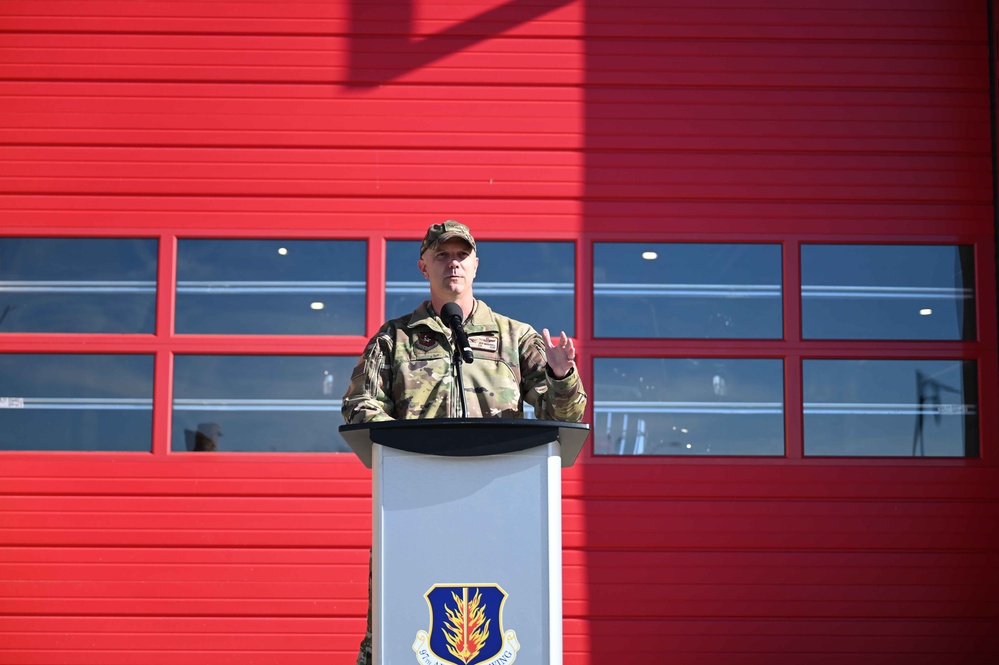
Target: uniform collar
x=424 y=316
x=481 y=320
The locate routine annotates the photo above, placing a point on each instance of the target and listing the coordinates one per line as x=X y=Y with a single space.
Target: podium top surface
x=465 y=437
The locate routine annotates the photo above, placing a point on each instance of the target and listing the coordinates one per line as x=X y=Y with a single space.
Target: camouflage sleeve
x=553 y=399
x=368 y=398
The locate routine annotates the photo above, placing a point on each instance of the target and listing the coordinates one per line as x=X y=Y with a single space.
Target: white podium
x=467 y=538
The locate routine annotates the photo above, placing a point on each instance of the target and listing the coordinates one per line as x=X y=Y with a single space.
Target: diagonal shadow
x=382 y=48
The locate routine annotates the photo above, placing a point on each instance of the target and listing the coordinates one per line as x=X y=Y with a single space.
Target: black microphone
x=452 y=315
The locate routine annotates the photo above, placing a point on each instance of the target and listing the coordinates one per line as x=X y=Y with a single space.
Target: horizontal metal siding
x=124 y=560
x=805 y=565
x=247 y=172
x=741 y=114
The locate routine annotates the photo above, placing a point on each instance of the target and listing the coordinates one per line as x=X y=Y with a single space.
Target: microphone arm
x=452 y=315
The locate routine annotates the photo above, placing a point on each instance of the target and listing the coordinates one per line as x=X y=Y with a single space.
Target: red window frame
x=792 y=349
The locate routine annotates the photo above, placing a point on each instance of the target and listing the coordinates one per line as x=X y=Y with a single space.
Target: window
x=676 y=401
x=77 y=285
x=255 y=403
x=889 y=292
x=891 y=408
x=532 y=282
x=687 y=290
x=271 y=287
x=688 y=406
x=76 y=402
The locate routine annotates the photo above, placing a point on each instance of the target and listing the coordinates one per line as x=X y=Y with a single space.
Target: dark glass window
x=259 y=403
x=78 y=285
x=533 y=282
x=891 y=408
x=76 y=402
x=271 y=287
x=688 y=406
x=687 y=290
x=896 y=292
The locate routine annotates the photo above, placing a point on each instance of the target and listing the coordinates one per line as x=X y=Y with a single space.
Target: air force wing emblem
x=425 y=340
x=466 y=627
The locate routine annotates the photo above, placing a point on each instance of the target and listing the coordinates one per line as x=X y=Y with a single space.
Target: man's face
x=450 y=268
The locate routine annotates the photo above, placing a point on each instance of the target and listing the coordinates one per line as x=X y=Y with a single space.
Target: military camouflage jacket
x=407 y=371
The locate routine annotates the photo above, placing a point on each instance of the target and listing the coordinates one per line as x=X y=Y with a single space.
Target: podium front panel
x=450 y=529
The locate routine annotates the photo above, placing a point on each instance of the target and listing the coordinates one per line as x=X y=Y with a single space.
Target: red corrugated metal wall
x=783 y=121
x=803 y=121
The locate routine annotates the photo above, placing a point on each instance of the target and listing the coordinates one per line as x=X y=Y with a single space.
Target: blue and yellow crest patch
x=466 y=627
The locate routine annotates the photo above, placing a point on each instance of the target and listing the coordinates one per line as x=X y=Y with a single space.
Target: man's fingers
x=564 y=343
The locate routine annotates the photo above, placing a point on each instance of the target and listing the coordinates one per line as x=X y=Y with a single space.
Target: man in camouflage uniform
x=408 y=369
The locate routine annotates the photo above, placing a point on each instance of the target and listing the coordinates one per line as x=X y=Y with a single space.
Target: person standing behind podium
x=408 y=369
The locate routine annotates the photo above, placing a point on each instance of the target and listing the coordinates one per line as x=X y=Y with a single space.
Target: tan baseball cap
x=439 y=233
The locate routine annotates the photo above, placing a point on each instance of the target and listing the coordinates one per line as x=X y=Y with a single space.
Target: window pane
x=887 y=292
x=78 y=285
x=688 y=406
x=532 y=282
x=76 y=402
x=687 y=290
x=893 y=408
x=259 y=403
x=271 y=287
